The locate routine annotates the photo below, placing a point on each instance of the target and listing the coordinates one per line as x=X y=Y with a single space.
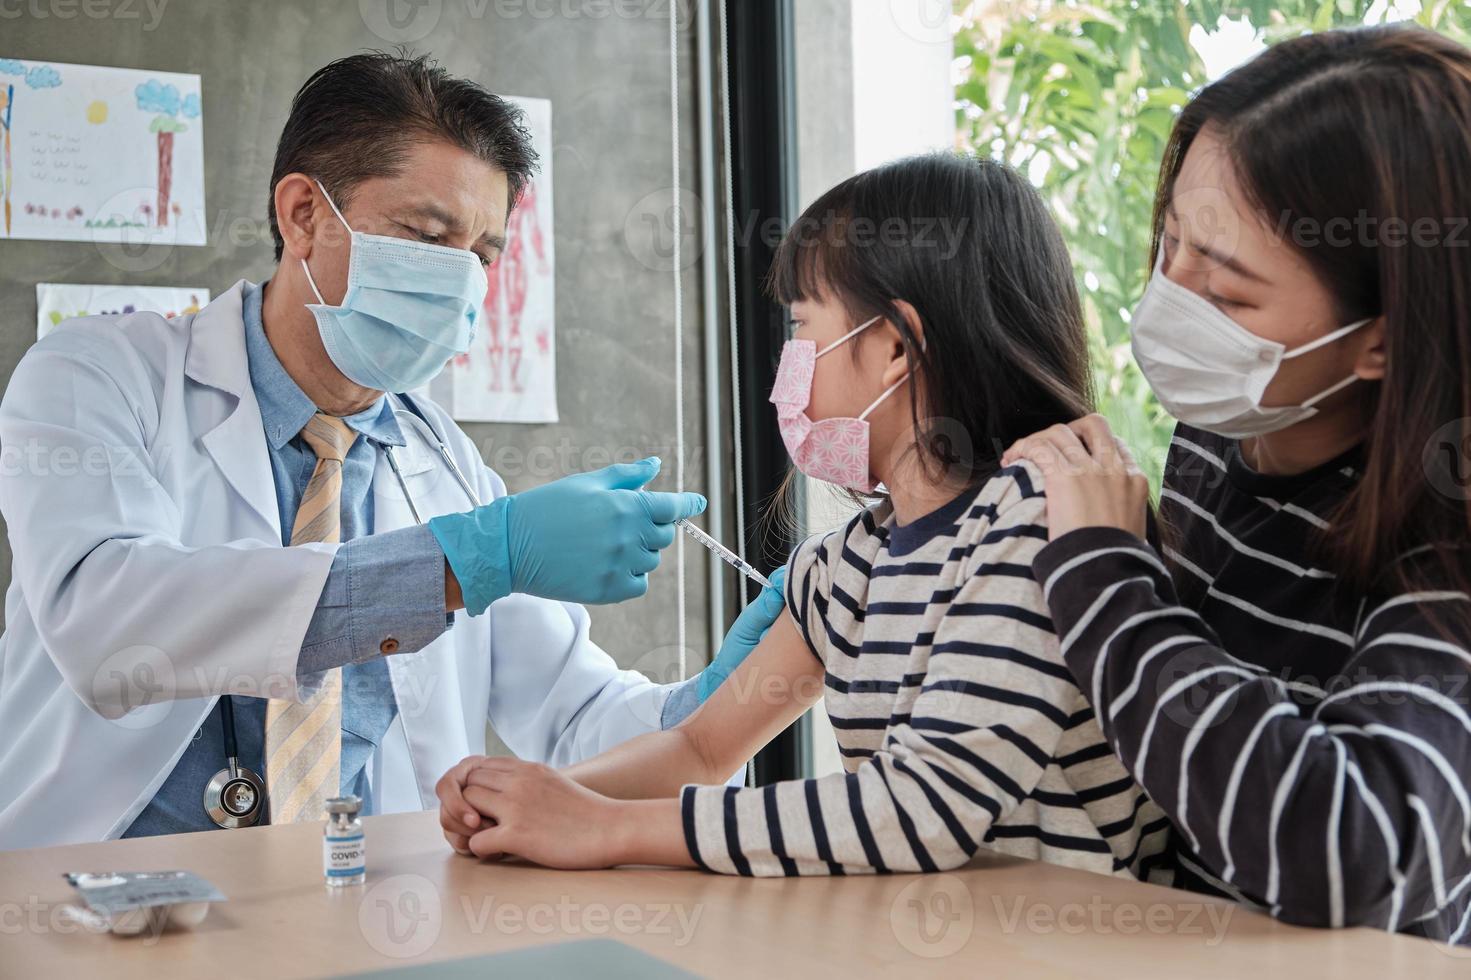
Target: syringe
x=725 y=554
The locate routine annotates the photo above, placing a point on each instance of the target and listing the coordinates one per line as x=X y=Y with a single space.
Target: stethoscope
x=236 y=796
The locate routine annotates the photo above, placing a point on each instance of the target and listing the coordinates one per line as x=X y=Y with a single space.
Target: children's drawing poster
x=510 y=372
x=100 y=154
x=57 y=301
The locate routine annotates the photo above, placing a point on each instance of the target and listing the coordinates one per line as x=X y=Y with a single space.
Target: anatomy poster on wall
x=57 y=301
x=100 y=154
x=510 y=373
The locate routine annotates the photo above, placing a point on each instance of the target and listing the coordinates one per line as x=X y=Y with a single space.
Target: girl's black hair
x=970 y=245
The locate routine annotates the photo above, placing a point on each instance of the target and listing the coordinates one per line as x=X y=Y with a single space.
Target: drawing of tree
x=37 y=76
x=164 y=99
x=7 y=97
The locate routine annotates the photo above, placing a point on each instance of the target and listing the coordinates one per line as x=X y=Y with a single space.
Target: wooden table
x=421 y=902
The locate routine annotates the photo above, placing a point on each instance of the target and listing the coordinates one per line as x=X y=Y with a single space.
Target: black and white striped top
x=1312 y=746
x=959 y=726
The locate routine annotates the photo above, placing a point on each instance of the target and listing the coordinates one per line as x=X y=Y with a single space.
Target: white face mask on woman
x=1209 y=371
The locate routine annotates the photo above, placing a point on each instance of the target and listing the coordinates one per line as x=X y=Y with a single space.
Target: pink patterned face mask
x=832 y=450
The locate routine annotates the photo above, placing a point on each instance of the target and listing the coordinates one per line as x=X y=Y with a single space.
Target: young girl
x=1289 y=678
x=936 y=320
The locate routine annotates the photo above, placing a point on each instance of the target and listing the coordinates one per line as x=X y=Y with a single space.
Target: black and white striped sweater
x=959 y=726
x=1313 y=747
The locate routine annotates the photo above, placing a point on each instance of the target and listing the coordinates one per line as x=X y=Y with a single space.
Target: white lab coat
x=148 y=567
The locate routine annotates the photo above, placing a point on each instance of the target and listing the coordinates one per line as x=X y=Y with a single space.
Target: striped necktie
x=304 y=741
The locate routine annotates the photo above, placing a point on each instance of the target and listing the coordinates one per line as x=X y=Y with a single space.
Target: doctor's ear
x=1372 y=362
x=899 y=365
x=299 y=208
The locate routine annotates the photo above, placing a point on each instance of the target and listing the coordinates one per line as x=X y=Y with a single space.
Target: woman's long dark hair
x=970 y=245
x=1363 y=138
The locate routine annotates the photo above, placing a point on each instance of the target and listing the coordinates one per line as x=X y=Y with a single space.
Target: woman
x=1287 y=676
x=919 y=621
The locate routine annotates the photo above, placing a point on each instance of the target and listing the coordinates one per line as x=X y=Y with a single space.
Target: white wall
x=903 y=95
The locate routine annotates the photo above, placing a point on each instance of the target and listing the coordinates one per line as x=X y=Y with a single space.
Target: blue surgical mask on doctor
x=409 y=307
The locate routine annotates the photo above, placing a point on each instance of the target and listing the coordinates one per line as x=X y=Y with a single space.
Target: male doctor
x=219 y=570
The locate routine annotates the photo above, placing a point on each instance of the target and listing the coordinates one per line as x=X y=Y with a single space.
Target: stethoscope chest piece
x=235 y=797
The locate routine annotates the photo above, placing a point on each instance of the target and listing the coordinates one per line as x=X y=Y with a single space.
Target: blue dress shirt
x=380 y=585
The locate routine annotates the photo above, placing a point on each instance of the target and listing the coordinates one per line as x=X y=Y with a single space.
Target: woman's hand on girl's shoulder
x=1091 y=477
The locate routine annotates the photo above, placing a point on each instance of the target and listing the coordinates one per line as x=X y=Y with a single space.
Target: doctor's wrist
x=477 y=555
x=453 y=599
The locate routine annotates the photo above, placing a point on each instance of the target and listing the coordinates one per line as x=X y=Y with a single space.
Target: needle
x=724 y=553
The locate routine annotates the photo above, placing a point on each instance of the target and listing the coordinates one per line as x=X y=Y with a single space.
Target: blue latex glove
x=590 y=538
x=750 y=626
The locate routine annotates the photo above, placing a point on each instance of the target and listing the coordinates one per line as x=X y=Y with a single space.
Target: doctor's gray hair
x=356 y=118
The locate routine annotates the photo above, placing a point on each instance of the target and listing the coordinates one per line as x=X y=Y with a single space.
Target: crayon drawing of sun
x=97 y=112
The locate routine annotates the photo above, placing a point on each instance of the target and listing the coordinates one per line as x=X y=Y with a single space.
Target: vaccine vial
x=344 y=851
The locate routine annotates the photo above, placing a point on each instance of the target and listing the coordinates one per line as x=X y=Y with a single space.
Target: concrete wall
x=608 y=80
x=824 y=30
x=873 y=84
